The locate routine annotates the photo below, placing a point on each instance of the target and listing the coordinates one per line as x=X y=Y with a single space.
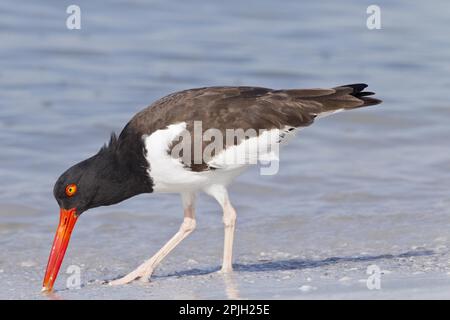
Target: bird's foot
x=226 y=270
x=142 y=272
x=146 y=276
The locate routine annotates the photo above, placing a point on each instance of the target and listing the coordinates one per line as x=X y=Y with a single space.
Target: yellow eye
x=71 y=189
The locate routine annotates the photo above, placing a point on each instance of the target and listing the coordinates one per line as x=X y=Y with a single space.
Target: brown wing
x=247 y=107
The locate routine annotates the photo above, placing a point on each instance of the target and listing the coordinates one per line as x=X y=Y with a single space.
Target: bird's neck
x=130 y=168
x=124 y=170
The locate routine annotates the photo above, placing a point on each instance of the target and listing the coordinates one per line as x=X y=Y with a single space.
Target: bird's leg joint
x=229 y=216
x=188 y=225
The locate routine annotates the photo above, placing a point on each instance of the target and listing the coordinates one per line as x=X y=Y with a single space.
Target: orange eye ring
x=71 y=189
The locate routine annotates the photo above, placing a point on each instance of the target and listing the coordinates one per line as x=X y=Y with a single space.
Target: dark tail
x=359 y=93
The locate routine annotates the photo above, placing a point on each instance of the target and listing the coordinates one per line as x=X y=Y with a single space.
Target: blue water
x=377 y=179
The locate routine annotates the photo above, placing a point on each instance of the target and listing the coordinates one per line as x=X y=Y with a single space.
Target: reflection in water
x=52 y=296
x=231 y=287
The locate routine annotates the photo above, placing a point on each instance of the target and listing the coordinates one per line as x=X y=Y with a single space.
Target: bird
x=154 y=154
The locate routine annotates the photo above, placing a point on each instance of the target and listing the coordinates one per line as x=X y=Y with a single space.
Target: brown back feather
x=247 y=107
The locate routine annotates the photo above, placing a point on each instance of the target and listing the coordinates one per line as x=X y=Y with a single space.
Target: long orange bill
x=67 y=221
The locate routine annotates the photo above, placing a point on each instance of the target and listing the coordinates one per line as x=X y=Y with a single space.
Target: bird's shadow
x=298 y=264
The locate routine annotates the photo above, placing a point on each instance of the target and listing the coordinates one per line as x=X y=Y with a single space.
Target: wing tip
x=358 y=92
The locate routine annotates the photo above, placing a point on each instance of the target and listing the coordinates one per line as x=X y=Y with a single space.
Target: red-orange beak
x=67 y=221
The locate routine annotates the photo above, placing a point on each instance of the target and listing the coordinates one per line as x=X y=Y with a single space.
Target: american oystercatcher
x=147 y=157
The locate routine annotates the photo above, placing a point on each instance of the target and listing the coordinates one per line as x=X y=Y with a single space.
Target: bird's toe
x=225 y=270
x=124 y=280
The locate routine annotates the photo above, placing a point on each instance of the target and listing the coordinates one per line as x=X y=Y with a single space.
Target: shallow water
x=359 y=188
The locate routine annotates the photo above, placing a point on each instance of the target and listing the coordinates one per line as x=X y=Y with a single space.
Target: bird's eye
x=71 y=189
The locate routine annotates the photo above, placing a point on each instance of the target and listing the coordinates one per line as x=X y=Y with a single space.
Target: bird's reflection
x=231 y=287
x=53 y=296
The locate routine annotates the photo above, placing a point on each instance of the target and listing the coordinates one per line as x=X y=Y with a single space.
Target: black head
x=116 y=173
x=112 y=175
